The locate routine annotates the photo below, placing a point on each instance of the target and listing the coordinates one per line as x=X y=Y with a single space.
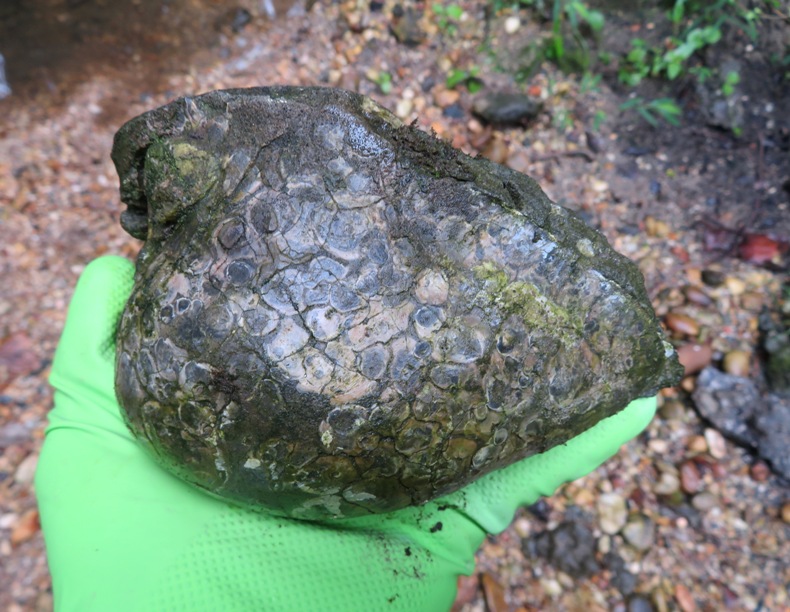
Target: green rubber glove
x=122 y=534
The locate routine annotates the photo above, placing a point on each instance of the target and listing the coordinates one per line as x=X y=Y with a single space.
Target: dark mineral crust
x=336 y=314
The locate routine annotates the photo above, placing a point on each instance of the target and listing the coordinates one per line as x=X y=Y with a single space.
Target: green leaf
x=455 y=77
x=668 y=109
x=678 y=11
x=474 y=85
x=454 y=12
x=592 y=17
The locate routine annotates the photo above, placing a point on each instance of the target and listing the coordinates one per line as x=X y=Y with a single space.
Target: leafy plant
x=447 y=17
x=459 y=76
x=383 y=80
x=575 y=13
x=654 y=110
x=731 y=79
x=598 y=119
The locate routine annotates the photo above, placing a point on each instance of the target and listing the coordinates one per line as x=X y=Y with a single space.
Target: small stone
x=519 y=161
x=8 y=520
x=522 y=527
x=25 y=528
x=551 y=587
x=506 y=108
x=26 y=470
x=407 y=26
x=696 y=295
x=612 y=513
x=667 y=484
x=494 y=594
x=682 y=324
x=786 y=512
x=759 y=471
x=717 y=446
x=17 y=358
x=690 y=479
x=512 y=24
x=599 y=186
x=656 y=228
x=639 y=532
x=403 y=108
x=698 y=444
x=673 y=410
x=496 y=150
x=570 y=548
x=466 y=590
x=446 y=97
x=688 y=384
x=713 y=278
x=752 y=301
x=738 y=363
x=639 y=603
x=704 y=501
x=735 y=286
x=658 y=446
x=684 y=598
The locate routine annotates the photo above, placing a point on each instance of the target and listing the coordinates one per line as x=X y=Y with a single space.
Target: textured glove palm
x=122 y=534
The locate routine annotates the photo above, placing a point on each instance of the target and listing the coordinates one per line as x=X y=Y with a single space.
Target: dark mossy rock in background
x=336 y=314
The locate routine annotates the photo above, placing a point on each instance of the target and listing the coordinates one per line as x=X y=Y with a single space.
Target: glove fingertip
x=99 y=298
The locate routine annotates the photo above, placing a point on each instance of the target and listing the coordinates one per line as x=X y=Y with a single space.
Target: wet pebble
x=26 y=470
x=696 y=295
x=494 y=594
x=713 y=278
x=668 y=483
x=690 y=478
x=717 y=446
x=752 y=301
x=704 y=501
x=737 y=363
x=682 y=324
x=25 y=528
x=684 y=598
x=786 y=512
x=698 y=444
x=496 y=150
x=639 y=532
x=17 y=358
x=506 y=108
x=612 y=513
x=446 y=97
x=512 y=24
x=759 y=471
x=673 y=410
x=570 y=548
x=656 y=228
x=466 y=590
x=639 y=603
x=735 y=286
x=695 y=357
x=454 y=111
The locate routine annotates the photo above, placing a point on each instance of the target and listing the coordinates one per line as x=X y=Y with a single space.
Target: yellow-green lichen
x=525 y=299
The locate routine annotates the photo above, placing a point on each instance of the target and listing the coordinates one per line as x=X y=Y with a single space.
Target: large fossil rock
x=336 y=314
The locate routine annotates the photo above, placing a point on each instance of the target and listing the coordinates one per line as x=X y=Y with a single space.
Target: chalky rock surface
x=335 y=314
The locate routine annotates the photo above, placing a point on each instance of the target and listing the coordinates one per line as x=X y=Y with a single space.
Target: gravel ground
x=681 y=519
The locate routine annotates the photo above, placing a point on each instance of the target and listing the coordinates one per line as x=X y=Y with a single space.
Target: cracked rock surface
x=336 y=314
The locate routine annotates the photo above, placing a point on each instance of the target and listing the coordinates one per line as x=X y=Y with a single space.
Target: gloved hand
x=122 y=534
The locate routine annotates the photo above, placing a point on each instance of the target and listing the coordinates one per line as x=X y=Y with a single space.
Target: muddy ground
x=682 y=518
